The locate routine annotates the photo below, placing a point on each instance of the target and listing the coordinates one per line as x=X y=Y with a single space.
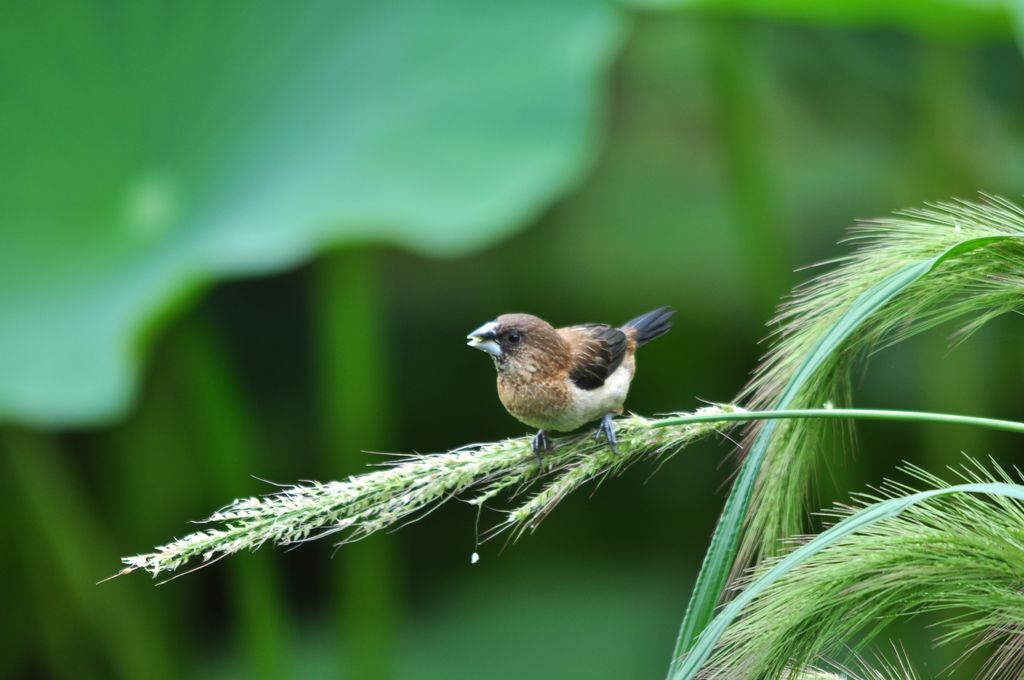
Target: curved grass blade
x=688 y=666
x=718 y=561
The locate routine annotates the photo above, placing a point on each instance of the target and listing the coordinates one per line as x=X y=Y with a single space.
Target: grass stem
x=365 y=504
x=844 y=413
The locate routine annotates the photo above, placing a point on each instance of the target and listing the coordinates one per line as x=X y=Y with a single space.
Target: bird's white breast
x=587 y=405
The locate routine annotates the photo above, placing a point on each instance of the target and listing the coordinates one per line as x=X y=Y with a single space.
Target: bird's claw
x=541 y=443
x=607 y=430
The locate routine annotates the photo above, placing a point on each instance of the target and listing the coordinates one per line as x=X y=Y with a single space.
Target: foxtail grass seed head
x=403 y=491
x=960 y=555
x=978 y=250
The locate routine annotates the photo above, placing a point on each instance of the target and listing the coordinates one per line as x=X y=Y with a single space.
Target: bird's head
x=519 y=341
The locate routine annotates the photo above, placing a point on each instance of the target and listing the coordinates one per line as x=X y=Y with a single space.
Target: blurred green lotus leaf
x=147 y=149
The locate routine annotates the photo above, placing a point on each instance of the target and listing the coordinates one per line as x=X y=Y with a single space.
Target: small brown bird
x=562 y=378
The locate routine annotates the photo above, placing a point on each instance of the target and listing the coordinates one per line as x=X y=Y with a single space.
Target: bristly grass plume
x=402 y=491
x=910 y=272
x=979 y=279
x=960 y=553
x=878 y=667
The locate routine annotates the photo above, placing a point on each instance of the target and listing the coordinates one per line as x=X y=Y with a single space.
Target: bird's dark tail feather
x=652 y=324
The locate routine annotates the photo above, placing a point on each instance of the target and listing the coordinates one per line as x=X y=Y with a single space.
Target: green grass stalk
x=365 y=504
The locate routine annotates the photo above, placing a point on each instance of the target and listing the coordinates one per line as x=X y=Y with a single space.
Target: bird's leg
x=607 y=430
x=541 y=443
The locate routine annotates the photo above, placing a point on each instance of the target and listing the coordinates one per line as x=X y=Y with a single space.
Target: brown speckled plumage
x=531 y=379
x=560 y=379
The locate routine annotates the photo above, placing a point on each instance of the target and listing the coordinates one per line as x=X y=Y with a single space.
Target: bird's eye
x=514 y=337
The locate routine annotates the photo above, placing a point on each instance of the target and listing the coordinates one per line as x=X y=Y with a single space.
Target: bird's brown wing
x=597 y=350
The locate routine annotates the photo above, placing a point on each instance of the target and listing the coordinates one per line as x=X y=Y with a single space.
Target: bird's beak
x=486 y=338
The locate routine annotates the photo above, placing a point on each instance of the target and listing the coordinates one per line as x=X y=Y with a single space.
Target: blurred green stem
x=60 y=520
x=37 y=636
x=229 y=441
x=59 y=637
x=147 y=481
x=352 y=368
x=742 y=136
x=15 y=647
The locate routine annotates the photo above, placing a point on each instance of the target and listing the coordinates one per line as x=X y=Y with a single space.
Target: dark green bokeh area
x=694 y=157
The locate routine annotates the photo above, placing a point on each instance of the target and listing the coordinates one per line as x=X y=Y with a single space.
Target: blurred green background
x=397 y=173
